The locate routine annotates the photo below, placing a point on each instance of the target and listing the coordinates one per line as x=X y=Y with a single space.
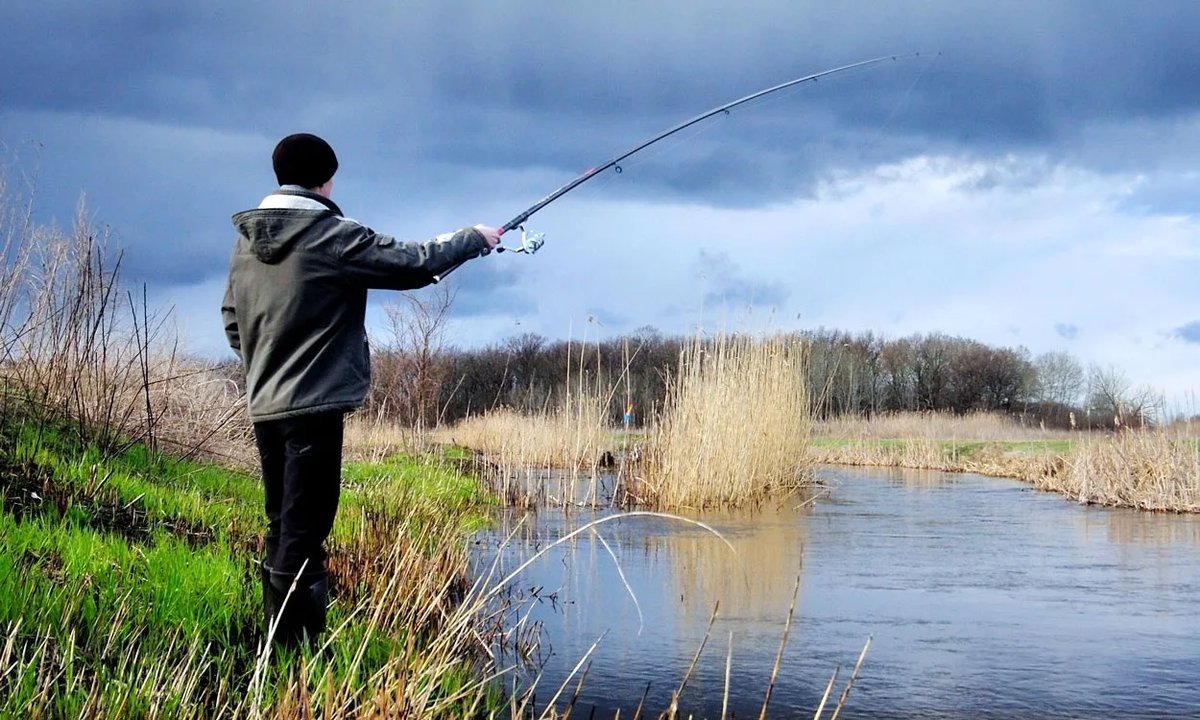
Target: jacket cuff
x=476 y=242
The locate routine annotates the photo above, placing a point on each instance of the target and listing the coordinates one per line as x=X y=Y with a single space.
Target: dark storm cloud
x=559 y=77
x=165 y=113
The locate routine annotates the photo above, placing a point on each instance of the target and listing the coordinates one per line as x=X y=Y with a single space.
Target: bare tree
x=931 y=369
x=899 y=377
x=1114 y=402
x=1060 y=378
x=410 y=370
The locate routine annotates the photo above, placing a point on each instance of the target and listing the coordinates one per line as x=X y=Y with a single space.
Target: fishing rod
x=531 y=243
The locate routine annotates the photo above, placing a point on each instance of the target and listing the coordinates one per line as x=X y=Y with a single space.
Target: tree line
x=421 y=381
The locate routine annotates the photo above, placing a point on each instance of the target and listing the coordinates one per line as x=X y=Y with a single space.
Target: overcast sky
x=1035 y=184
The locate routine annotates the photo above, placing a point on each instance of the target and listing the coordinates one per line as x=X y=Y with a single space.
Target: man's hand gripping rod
x=530 y=244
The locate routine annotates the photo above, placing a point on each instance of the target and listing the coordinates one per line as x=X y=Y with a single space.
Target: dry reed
x=1145 y=469
x=573 y=436
x=371 y=438
x=735 y=426
x=75 y=344
x=979 y=426
x=1151 y=469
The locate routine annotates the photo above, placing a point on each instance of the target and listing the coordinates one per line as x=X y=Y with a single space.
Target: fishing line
x=531 y=244
x=904 y=98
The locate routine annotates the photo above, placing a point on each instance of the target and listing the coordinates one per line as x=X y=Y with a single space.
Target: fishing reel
x=530 y=243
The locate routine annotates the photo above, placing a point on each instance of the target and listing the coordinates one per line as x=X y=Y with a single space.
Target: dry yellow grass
x=980 y=426
x=371 y=439
x=917 y=453
x=735 y=426
x=573 y=436
x=535 y=459
x=1145 y=469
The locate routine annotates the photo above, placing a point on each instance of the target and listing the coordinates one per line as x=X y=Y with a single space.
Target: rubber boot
x=278 y=624
x=299 y=614
x=316 y=606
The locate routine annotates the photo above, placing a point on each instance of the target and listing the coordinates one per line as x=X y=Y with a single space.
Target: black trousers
x=302 y=473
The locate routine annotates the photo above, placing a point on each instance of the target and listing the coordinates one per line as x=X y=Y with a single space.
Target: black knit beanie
x=305 y=160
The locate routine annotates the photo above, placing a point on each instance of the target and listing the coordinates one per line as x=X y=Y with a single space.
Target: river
x=983 y=597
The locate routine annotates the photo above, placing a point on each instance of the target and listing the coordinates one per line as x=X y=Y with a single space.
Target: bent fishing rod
x=531 y=243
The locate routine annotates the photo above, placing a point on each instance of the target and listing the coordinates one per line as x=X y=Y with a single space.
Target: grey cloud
x=1166 y=194
x=1067 y=331
x=1010 y=175
x=1189 y=333
x=577 y=76
x=729 y=286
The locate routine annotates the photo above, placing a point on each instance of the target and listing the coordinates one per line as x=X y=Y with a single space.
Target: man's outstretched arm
x=381 y=261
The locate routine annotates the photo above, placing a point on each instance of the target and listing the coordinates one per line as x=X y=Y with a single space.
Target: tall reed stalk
x=735 y=427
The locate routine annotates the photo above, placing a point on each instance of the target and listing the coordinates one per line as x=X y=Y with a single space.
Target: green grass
x=129 y=585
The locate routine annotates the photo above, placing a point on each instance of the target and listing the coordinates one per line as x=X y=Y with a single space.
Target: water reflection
x=984 y=597
x=1143 y=528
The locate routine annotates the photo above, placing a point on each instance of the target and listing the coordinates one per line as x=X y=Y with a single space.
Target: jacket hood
x=273 y=233
x=274 y=227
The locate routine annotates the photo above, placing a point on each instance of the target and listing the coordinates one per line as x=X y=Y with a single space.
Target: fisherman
x=294 y=312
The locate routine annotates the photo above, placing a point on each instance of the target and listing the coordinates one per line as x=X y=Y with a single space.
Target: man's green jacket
x=295 y=305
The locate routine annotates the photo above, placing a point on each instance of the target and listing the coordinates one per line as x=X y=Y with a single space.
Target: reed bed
x=735 y=427
x=573 y=436
x=1147 y=469
x=919 y=453
x=977 y=427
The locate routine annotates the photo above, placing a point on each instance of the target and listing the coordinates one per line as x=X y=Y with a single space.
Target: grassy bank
x=129 y=587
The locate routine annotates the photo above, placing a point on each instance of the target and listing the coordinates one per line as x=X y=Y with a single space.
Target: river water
x=983 y=598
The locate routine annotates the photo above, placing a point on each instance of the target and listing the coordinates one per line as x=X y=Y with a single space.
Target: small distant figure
x=629 y=415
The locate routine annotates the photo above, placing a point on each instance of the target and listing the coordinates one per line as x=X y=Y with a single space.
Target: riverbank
x=1147 y=469
x=129 y=587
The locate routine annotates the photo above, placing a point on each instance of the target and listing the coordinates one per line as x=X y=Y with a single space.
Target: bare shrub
x=410 y=371
x=76 y=347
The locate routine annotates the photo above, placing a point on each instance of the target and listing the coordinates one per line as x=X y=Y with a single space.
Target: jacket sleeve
x=380 y=261
x=229 y=316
